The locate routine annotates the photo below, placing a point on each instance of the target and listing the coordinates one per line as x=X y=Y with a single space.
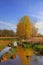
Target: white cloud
x=39 y=22
x=8 y=24
x=38 y=16
x=39 y=25
x=40 y=13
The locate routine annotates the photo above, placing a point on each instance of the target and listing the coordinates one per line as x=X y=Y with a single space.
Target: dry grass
x=4 y=43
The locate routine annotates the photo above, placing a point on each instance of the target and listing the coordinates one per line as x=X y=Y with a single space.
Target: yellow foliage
x=24 y=28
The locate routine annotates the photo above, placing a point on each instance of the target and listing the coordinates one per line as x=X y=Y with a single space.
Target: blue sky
x=11 y=12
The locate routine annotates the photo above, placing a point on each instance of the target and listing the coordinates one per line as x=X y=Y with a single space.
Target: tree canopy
x=7 y=33
x=34 y=32
x=24 y=28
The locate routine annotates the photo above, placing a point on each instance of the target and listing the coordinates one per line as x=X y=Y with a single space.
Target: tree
x=24 y=28
x=7 y=33
x=34 y=31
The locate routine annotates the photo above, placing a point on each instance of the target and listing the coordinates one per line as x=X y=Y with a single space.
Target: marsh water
x=19 y=60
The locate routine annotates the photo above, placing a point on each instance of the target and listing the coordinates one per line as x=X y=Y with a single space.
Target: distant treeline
x=7 y=33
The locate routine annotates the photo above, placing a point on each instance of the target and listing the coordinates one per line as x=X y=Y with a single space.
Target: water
x=17 y=61
x=38 y=62
x=4 y=51
x=7 y=49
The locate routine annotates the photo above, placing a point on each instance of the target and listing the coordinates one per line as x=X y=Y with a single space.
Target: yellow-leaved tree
x=24 y=28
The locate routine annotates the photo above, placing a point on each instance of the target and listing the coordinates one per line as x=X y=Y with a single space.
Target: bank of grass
x=33 y=46
x=38 y=47
x=13 y=51
x=2 y=46
x=26 y=45
x=4 y=42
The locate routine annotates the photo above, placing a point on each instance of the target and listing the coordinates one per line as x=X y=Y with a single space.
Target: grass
x=2 y=46
x=26 y=46
x=5 y=41
x=7 y=38
x=13 y=51
x=38 y=47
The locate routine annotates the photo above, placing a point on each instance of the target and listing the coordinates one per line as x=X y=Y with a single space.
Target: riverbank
x=4 y=43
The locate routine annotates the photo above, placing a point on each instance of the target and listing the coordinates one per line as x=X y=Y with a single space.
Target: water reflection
x=16 y=61
x=21 y=58
x=38 y=62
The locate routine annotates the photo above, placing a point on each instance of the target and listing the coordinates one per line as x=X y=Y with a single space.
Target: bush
x=26 y=45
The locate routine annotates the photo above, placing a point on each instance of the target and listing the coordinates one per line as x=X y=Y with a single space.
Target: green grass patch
x=13 y=51
x=26 y=46
x=38 y=47
x=2 y=46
